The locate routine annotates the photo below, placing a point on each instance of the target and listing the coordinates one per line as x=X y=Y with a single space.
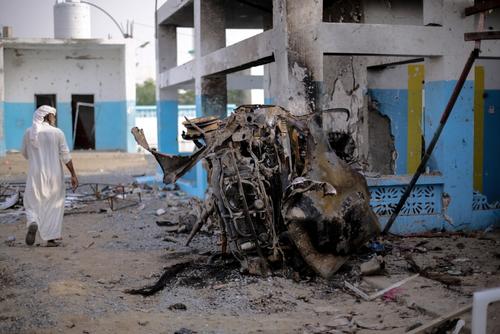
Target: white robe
x=45 y=189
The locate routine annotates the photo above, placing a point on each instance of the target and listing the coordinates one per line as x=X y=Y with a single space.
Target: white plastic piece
x=480 y=304
x=458 y=327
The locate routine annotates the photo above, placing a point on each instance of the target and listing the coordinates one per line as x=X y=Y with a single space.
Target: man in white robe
x=45 y=148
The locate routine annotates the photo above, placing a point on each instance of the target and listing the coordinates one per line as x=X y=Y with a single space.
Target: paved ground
x=79 y=287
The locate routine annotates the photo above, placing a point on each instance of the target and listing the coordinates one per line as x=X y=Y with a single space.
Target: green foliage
x=233 y=97
x=146 y=93
x=186 y=97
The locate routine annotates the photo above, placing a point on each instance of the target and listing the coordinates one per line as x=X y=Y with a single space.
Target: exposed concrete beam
x=244 y=82
x=380 y=39
x=177 y=75
x=490 y=49
x=234 y=82
x=171 y=7
x=253 y=51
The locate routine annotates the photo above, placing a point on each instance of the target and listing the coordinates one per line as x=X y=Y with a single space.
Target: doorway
x=45 y=100
x=82 y=111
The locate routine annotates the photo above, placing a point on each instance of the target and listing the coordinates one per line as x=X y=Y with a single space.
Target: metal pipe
x=444 y=118
x=124 y=34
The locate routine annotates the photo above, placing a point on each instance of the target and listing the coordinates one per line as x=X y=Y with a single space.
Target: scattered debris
x=9 y=201
x=380 y=293
x=445 y=278
x=11 y=240
x=94 y=196
x=170 y=239
x=90 y=245
x=177 y=306
x=160 y=212
x=372 y=267
x=185 y=331
x=441 y=320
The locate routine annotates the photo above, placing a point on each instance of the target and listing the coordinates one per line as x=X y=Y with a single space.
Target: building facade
x=389 y=65
x=90 y=82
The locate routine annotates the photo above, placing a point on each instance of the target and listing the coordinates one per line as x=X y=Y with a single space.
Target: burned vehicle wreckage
x=280 y=194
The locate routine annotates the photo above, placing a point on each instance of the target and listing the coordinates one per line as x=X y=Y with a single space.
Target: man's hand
x=74 y=182
x=74 y=179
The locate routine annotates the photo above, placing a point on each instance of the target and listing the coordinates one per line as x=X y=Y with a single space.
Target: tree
x=186 y=97
x=146 y=93
x=236 y=97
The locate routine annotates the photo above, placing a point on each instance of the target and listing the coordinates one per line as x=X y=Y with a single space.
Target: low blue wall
x=2 y=139
x=491 y=163
x=113 y=121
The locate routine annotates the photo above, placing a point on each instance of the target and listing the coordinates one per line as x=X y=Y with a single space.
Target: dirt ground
x=87 y=163
x=79 y=287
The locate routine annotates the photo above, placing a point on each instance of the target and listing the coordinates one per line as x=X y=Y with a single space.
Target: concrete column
x=210 y=35
x=299 y=64
x=269 y=74
x=269 y=69
x=433 y=12
x=2 y=99
x=246 y=95
x=129 y=65
x=487 y=118
x=453 y=155
x=166 y=98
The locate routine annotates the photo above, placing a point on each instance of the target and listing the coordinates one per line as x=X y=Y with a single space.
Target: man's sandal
x=53 y=243
x=31 y=235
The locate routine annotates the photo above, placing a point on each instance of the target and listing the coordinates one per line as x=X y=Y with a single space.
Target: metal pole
x=453 y=98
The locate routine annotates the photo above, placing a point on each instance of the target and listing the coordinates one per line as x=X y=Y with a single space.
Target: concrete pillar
x=298 y=87
x=167 y=105
x=210 y=35
x=269 y=69
x=2 y=99
x=433 y=12
x=269 y=74
x=453 y=155
x=129 y=59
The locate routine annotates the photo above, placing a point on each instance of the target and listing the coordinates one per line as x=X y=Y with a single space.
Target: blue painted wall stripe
x=491 y=163
x=394 y=104
x=112 y=124
x=65 y=121
x=166 y=116
x=17 y=118
x=268 y=100
x=453 y=155
x=2 y=140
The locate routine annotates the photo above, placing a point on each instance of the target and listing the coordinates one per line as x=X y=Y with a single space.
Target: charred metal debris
x=278 y=191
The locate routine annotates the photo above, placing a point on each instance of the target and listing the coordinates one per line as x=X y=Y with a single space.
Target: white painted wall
x=129 y=66
x=406 y=12
x=64 y=70
x=391 y=77
x=148 y=124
